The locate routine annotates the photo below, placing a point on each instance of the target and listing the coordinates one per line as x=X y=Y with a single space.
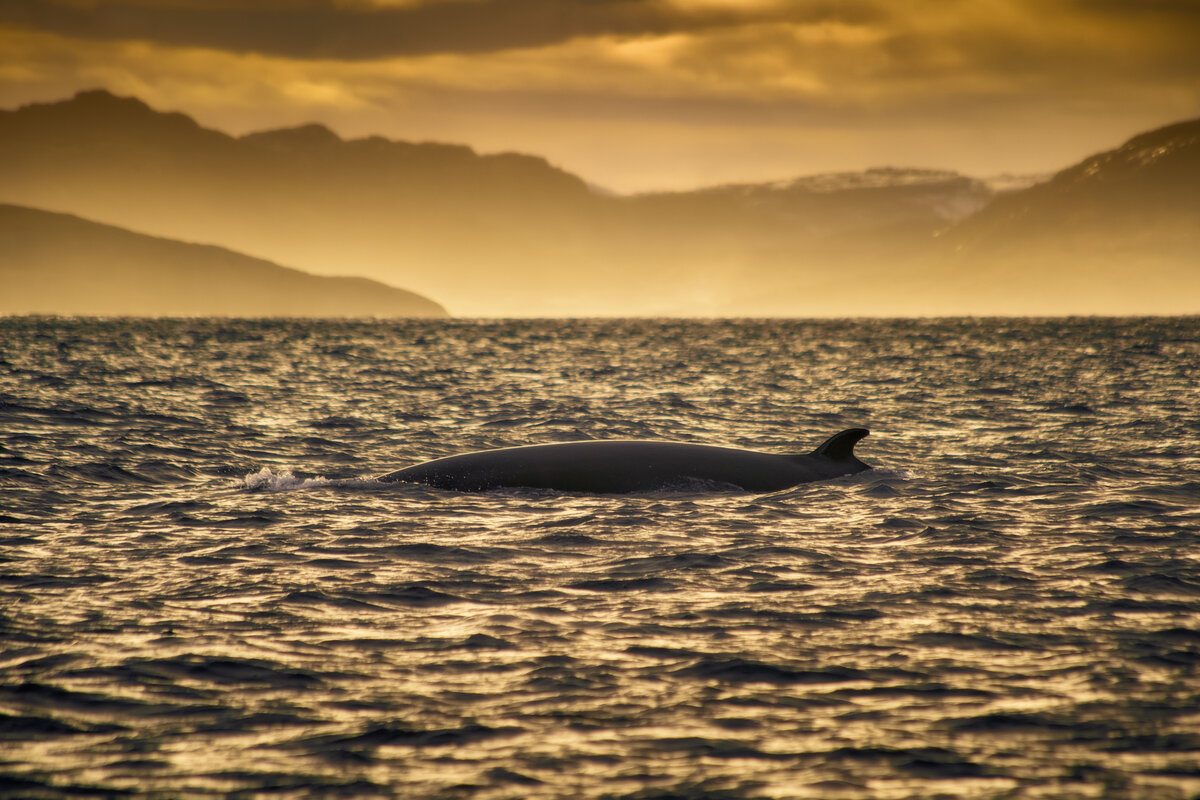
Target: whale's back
x=617 y=467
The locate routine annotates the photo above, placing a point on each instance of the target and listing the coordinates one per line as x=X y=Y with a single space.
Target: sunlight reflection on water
x=205 y=592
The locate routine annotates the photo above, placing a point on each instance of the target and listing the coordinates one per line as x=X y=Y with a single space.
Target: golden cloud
x=644 y=89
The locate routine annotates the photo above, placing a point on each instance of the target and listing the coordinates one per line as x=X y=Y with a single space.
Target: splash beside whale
x=621 y=467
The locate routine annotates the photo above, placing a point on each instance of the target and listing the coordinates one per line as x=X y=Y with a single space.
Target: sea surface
x=204 y=593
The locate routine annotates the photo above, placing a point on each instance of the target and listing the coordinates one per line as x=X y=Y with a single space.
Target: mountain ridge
x=55 y=263
x=511 y=234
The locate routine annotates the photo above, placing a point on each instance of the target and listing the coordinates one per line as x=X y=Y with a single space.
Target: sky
x=637 y=95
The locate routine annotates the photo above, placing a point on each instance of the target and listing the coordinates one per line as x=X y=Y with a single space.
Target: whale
x=616 y=466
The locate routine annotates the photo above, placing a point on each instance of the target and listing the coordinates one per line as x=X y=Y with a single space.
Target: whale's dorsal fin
x=840 y=446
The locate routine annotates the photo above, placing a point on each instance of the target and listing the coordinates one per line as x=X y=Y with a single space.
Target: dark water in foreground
x=203 y=594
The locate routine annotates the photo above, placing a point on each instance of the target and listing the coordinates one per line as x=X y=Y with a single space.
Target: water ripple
x=203 y=591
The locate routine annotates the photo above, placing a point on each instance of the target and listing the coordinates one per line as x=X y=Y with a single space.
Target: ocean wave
x=204 y=587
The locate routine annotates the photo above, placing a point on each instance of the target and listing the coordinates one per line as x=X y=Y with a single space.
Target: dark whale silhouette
x=618 y=467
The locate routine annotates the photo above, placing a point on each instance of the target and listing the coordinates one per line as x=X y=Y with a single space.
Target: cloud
x=375 y=29
x=653 y=92
x=360 y=30
x=779 y=56
x=852 y=53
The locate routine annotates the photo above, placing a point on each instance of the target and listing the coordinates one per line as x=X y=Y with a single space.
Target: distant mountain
x=1117 y=233
x=1149 y=185
x=491 y=234
x=510 y=234
x=879 y=197
x=433 y=217
x=60 y=264
x=824 y=207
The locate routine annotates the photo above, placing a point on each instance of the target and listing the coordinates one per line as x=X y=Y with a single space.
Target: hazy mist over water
x=204 y=593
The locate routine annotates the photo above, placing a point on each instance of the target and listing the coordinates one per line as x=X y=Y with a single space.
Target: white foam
x=267 y=480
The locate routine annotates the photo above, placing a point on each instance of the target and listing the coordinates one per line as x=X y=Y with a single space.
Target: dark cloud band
x=322 y=30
